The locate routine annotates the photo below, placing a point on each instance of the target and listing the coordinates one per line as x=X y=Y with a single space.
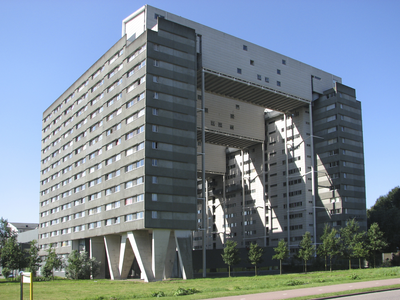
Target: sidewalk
x=314 y=290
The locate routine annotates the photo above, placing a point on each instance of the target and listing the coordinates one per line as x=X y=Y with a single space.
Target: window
x=219 y=124
x=155 y=96
x=237 y=106
x=155 y=111
x=251 y=62
x=283 y=61
x=154 y=162
x=244 y=47
x=278 y=83
x=212 y=123
x=154 y=145
x=278 y=72
x=239 y=71
x=332 y=106
x=154 y=179
x=156 y=63
x=331 y=118
x=154 y=214
x=154 y=128
x=231 y=127
x=267 y=79
x=258 y=76
x=154 y=197
x=155 y=79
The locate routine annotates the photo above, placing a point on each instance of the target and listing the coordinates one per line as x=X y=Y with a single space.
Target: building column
x=184 y=245
x=160 y=243
x=97 y=250
x=126 y=257
x=170 y=256
x=141 y=242
x=112 y=244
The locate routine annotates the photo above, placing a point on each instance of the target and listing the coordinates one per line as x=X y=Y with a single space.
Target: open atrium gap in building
x=181 y=137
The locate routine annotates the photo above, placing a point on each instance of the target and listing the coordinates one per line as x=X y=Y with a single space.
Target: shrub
x=294 y=282
x=354 y=276
x=158 y=294
x=181 y=292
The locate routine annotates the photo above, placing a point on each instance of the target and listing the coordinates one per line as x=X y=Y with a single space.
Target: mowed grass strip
x=207 y=287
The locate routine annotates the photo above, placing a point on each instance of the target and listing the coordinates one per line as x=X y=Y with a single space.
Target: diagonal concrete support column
x=184 y=244
x=112 y=244
x=126 y=257
x=97 y=250
x=170 y=256
x=141 y=245
x=159 y=251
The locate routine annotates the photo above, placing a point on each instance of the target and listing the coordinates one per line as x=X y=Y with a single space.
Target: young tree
x=323 y=248
x=12 y=256
x=80 y=266
x=33 y=260
x=307 y=249
x=230 y=255
x=255 y=255
x=281 y=253
x=360 y=249
x=376 y=241
x=5 y=233
x=349 y=235
x=330 y=244
x=52 y=262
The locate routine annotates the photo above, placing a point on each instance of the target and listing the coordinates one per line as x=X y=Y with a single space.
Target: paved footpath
x=314 y=290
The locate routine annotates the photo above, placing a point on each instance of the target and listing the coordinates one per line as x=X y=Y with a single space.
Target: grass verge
x=189 y=289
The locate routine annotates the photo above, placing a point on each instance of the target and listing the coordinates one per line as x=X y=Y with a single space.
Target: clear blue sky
x=46 y=45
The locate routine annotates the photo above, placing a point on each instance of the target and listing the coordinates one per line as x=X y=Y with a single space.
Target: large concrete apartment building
x=181 y=136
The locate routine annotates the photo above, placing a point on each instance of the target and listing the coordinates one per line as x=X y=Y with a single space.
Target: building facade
x=181 y=137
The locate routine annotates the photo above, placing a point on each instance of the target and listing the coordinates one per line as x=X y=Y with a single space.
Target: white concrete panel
x=126 y=257
x=112 y=244
x=184 y=245
x=141 y=245
x=170 y=256
x=135 y=26
x=159 y=242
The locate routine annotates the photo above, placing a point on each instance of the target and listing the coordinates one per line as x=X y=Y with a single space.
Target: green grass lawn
x=207 y=287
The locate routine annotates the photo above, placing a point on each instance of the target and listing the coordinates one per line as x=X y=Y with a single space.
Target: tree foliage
x=376 y=240
x=52 y=262
x=330 y=245
x=307 y=249
x=255 y=255
x=230 y=255
x=5 y=233
x=32 y=259
x=386 y=213
x=360 y=249
x=80 y=266
x=350 y=237
x=12 y=256
x=281 y=253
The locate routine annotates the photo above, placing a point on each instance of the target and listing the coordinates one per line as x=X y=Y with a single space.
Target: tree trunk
x=280 y=266
x=359 y=263
x=305 y=266
x=330 y=262
x=229 y=268
x=374 y=259
x=325 y=263
x=255 y=270
x=349 y=263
